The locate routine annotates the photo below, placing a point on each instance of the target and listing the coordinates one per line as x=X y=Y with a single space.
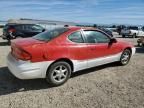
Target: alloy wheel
x=60 y=73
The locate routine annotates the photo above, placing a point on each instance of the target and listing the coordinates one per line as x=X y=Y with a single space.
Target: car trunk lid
x=19 y=48
x=26 y=42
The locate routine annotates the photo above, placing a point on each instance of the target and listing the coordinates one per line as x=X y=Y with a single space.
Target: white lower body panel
x=28 y=70
x=84 y=64
x=80 y=65
x=133 y=51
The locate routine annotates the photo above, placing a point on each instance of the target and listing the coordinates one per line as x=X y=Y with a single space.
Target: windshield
x=48 y=35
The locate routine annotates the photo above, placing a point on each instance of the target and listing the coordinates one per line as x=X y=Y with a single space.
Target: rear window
x=48 y=35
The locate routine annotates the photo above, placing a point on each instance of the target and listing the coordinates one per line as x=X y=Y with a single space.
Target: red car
x=55 y=54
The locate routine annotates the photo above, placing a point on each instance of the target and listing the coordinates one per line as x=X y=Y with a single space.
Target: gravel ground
x=108 y=86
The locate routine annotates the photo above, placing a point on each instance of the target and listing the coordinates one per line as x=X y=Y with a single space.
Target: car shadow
x=10 y=84
x=139 y=49
x=94 y=69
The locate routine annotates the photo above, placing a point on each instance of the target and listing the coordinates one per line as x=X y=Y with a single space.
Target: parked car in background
x=132 y=31
x=119 y=28
x=113 y=29
x=109 y=32
x=57 y=53
x=12 y=31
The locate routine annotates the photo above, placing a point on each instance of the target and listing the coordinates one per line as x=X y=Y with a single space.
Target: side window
x=76 y=37
x=25 y=27
x=18 y=27
x=96 y=37
x=36 y=27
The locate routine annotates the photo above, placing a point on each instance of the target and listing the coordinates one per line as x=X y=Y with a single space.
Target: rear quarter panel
x=61 y=47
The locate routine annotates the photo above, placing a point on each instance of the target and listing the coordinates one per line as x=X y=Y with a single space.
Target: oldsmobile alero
x=55 y=54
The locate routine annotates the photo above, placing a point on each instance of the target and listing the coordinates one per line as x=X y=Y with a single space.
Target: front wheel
x=125 y=57
x=58 y=73
x=134 y=35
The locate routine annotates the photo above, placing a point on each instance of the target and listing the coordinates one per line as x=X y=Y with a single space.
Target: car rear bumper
x=26 y=69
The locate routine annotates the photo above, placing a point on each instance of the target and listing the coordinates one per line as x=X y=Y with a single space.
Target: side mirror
x=113 y=40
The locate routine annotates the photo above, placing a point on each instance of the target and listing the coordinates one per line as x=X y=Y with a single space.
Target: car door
x=100 y=48
x=30 y=30
x=78 y=50
x=26 y=30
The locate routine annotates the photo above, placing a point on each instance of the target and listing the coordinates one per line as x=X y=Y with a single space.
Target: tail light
x=11 y=30
x=21 y=54
x=24 y=55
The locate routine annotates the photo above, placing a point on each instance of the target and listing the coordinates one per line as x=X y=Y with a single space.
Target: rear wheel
x=125 y=57
x=58 y=73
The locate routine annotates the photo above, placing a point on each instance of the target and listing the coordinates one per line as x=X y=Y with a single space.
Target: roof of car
x=85 y=28
x=19 y=24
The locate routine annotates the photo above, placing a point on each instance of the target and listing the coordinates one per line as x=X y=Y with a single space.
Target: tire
x=55 y=76
x=123 y=36
x=134 y=35
x=125 y=57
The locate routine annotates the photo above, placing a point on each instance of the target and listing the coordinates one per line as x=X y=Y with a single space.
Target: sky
x=80 y=11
